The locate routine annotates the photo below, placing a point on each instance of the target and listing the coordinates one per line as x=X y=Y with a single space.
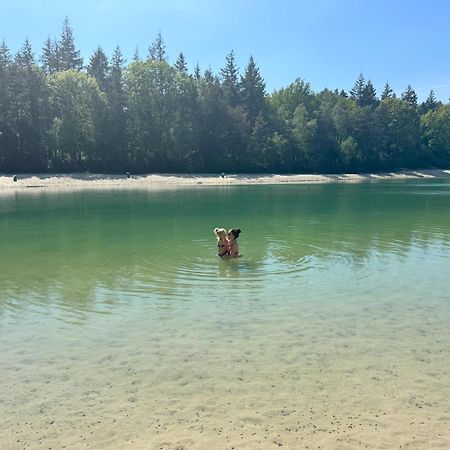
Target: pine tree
x=208 y=76
x=430 y=104
x=116 y=72
x=230 y=82
x=8 y=136
x=117 y=107
x=5 y=55
x=136 y=56
x=357 y=92
x=410 y=96
x=50 y=57
x=180 y=64
x=5 y=86
x=363 y=93
x=369 y=95
x=68 y=56
x=98 y=68
x=25 y=56
x=157 y=51
x=387 y=92
x=252 y=91
x=26 y=104
x=47 y=56
x=197 y=72
x=431 y=99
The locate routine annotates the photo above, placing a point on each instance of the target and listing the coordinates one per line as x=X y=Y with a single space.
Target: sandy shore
x=87 y=180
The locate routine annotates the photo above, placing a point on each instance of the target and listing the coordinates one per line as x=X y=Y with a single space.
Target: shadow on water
x=95 y=250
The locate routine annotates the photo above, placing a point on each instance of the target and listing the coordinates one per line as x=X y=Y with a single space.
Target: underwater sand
x=122 y=329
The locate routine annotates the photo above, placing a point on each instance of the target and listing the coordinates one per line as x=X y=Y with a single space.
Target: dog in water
x=233 y=235
x=223 y=244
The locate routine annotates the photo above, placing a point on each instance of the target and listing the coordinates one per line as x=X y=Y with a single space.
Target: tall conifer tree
x=180 y=64
x=230 y=82
x=388 y=92
x=369 y=95
x=410 y=96
x=357 y=92
x=50 y=57
x=98 y=68
x=5 y=78
x=157 y=50
x=28 y=98
x=68 y=56
x=118 y=117
x=136 y=56
x=25 y=56
x=197 y=72
x=7 y=139
x=430 y=104
x=252 y=91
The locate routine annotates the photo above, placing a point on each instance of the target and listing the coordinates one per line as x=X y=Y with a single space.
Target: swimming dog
x=223 y=244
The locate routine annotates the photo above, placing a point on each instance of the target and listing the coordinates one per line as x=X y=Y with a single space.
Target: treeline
x=58 y=115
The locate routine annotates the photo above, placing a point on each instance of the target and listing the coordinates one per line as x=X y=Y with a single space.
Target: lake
x=121 y=328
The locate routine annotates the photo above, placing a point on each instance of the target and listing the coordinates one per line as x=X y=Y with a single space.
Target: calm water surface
x=116 y=314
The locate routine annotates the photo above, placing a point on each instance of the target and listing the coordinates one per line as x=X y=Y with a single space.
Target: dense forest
x=59 y=115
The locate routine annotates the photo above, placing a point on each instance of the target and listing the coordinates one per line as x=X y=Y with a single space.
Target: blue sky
x=325 y=42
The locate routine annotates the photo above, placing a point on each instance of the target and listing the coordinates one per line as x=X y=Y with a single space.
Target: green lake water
x=119 y=322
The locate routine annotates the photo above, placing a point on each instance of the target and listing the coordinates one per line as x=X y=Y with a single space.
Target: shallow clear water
x=120 y=327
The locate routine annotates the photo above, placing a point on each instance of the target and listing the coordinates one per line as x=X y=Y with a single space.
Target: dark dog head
x=235 y=232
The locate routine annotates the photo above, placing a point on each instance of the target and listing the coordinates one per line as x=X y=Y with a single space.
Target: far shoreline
x=75 y=181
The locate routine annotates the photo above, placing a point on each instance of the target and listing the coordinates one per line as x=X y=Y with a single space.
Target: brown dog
x=223 y=243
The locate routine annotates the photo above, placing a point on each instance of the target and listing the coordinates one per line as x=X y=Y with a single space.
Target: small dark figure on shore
x=222 y=175
x=128 y=175
x=15 y=178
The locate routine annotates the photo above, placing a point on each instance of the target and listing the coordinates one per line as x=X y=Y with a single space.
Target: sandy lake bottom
x=120 y=327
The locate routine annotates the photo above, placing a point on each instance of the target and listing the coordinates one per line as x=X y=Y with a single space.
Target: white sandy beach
x=87 y=180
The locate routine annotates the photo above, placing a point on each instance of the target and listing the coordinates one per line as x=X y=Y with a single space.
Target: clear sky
x=328 y=43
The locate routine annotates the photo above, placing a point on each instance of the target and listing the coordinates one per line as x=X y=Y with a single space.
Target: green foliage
x=25 y=57
x=357 y=91
x=436 y=126
x=181 y=64
x=197 y=72
x=77 y=104
x=116 y=156
x=150 y=90
x=253 y=92
x=387 y=92
x=400 y=134
x=22 y=113
x=230 y=79
x=430 y=104
x=68 y=57
x=410 y=96
x=350 y=153
x=286 y=100
x=369 y=97
x=363 y=93
x=98 y=68
x=221 y=129
x=151 y=116
x=157 y=50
